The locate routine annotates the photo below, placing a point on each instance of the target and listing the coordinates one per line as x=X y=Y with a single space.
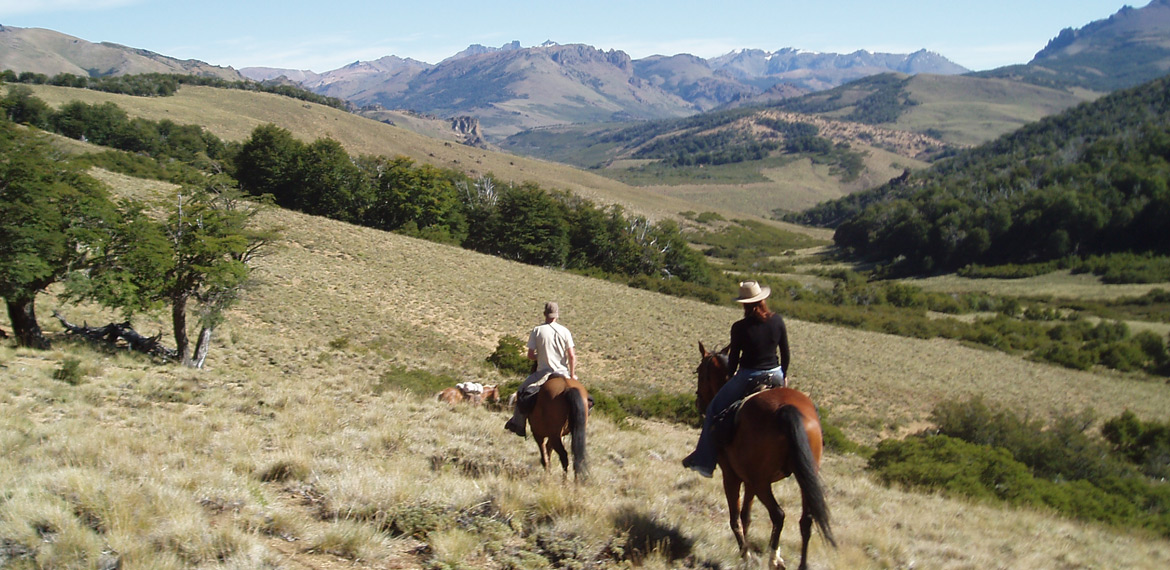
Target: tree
x=268 y=163
x=331 y=185
x=532 y=227
x=21 y=106
x=49 y=215
x=213 y=243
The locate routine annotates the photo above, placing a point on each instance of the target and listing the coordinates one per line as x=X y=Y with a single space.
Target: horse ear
x=726 y=350
x=702 y=350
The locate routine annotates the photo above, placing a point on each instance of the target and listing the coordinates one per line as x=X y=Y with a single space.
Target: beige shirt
x=551 y=342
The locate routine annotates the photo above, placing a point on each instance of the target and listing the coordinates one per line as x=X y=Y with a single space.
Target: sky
x=325 y=35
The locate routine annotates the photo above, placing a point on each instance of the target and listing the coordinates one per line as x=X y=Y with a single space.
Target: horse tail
x=804 y=468
x=578 y=417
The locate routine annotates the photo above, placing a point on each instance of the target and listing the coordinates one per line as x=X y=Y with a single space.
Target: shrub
x=70 y=372
x=511 y=356
x=943 y=463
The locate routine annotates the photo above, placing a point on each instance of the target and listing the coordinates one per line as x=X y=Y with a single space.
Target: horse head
x=713 y=373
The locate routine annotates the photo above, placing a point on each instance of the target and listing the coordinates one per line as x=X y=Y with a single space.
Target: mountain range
x=510 y=89
x=513 y=88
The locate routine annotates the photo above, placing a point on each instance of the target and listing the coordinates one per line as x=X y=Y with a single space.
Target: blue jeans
x=705 y=452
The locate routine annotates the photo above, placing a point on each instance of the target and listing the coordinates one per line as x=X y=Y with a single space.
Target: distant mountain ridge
x=513 y=88
x=1126 y=49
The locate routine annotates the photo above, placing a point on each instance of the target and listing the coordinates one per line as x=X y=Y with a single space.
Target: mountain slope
x=1129 y=48
x=1088 y=181
x=50 y=53
x=513 y=90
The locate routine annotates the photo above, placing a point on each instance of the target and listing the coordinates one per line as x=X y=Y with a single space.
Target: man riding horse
x=551 y=346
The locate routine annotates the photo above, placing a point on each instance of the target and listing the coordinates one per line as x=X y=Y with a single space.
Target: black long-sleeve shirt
x=754 y=344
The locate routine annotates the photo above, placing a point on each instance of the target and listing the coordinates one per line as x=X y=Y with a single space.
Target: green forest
x=1089 y=182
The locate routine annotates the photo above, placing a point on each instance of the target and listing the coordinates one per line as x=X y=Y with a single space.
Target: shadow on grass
x=646 y=535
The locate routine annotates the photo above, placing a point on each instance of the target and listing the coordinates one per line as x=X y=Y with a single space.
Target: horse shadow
x=646 y=535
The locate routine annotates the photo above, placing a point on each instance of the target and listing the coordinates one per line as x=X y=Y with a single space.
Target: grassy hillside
x=968 y=111
x=302 y=445
x=962 y=110
x=233 y=114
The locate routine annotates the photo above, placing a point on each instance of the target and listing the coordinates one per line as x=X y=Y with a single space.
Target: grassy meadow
x=301 y=445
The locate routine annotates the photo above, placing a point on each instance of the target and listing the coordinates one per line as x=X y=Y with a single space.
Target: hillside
x=1088 y=181
x=960 y=110
x=50 y=53
x=233 y=114
x=301 y=444
x=1126 y=49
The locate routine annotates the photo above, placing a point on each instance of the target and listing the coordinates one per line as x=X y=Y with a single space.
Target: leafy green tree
x=532 y=227
x=330 y=184
x=21 y=106
x=268 y=163
x=213 y=241
x=404 y=193
x=49 y=214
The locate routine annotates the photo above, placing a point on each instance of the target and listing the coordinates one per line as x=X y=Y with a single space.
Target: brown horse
x=562 y=408
x=455 y=395
x=778 y=434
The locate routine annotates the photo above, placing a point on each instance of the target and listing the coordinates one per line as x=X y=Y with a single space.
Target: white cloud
x=13 y=7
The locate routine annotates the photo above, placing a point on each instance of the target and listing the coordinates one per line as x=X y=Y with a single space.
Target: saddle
x=724 y=423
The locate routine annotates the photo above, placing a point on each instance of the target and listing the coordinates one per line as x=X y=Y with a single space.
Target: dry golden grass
x=286 y=452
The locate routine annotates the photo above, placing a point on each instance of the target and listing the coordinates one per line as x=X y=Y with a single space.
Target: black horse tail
x=578 y=417
x=804 y=468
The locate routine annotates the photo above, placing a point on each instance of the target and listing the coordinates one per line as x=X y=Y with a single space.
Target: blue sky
x=324 y=35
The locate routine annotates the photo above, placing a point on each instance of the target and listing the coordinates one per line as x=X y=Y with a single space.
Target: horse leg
x=745 y=514
x=731 y=488
x=806 y=522
x=542 y=444
x=558 y=446
x=777 y=515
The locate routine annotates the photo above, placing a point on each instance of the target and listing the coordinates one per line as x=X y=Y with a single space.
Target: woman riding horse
x=778 y=434
x=754 y=342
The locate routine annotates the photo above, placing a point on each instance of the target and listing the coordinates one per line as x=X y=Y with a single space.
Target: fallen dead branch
x=120 y=335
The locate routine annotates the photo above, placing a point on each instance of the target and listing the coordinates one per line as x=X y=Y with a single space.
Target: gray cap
x=551 y=310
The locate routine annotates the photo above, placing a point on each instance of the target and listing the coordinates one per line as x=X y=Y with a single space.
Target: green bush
x=70 y=372
x=511 y=356
x=943 y=463
x=994 y=454
x=677 y=408
x=1145 y=444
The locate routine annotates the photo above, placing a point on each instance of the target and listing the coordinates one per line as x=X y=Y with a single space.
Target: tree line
x=1089 y=181
x=521 y=222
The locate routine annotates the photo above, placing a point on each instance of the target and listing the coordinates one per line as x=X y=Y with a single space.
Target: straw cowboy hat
x=750 y=292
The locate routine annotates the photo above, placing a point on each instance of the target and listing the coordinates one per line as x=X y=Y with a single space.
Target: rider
x=754 y=342
x=551 y=346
